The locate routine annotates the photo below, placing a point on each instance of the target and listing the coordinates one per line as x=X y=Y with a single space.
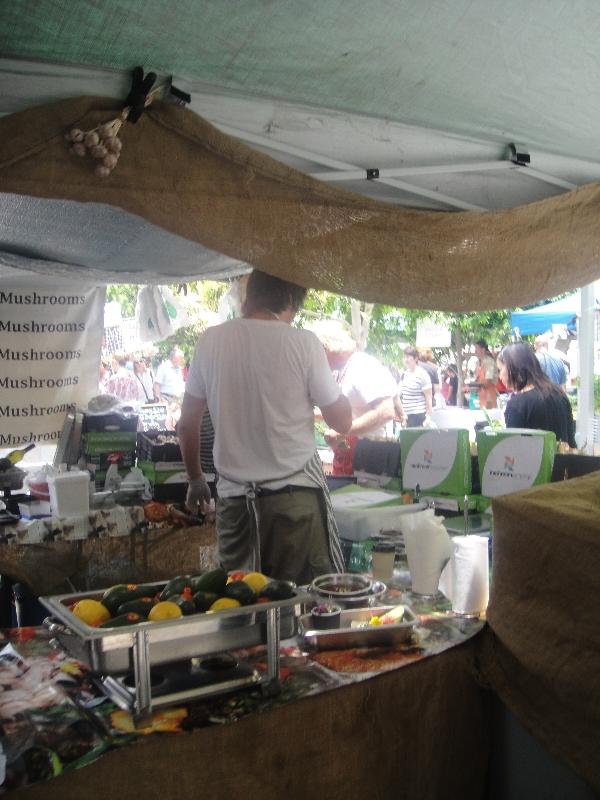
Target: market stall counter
x=398 y=721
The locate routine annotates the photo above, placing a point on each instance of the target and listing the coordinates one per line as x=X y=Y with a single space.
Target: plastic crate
x=110 y=422
x=97 y=443
x=149 y=450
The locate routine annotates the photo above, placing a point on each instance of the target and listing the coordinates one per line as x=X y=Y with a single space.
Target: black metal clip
x=519 y=155
x=138 y=94
x=181 y=98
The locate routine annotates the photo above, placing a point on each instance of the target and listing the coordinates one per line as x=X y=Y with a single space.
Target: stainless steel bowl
x=371 y=595
x=341 y=585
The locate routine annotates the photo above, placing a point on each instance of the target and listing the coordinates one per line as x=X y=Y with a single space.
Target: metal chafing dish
x=139 y=648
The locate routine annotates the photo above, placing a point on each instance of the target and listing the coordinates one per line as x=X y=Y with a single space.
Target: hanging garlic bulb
x=101 y=143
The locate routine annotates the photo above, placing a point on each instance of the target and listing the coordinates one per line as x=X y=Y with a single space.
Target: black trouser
x=415 y=420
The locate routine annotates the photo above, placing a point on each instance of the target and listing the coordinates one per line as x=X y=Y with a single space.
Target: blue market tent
x=541 y=318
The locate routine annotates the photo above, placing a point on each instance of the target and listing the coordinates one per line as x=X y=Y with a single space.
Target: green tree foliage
x=125 y=295
x=207 y=294
x=391 y=328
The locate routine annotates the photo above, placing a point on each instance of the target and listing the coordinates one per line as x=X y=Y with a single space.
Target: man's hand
x=333 y=437
x=198 y=494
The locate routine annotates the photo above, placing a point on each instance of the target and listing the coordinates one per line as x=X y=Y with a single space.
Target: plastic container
x=134 y=488
x=69 y=493
x=37 y=482
x=326 y=616
x=382 y=566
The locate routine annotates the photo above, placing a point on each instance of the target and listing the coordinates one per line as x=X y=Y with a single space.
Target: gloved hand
x=198 y=494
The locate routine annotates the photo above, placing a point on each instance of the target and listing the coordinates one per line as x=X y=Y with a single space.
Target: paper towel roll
x=465 y=579
x=428 y=548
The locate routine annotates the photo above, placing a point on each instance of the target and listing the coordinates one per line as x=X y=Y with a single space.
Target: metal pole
x=585 y=400
x=273 y=636
x=141 y=672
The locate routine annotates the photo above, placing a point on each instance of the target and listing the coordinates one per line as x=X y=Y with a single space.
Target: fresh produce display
x=184 y=595
x=91 y=612
x=164 y=609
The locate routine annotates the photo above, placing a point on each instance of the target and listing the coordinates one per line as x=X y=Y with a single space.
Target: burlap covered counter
x=56 y=567
x=417 y=733
x=541 y=652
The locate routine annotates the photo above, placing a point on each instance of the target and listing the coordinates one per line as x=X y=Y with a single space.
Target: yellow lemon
x=223 y=603
x=92 y=612
x=256 y=581
x=164 y=610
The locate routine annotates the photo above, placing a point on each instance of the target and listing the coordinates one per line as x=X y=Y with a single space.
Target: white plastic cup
x=382 y=564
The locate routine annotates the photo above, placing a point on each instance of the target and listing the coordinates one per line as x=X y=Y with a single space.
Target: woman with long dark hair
x=536 y=402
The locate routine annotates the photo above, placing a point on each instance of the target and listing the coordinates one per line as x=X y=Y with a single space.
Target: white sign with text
x=432 y=334
x=50 y=340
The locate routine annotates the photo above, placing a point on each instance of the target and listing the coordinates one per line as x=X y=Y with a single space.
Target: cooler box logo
x=509 y=463
x=429 y=460
x=512 y=464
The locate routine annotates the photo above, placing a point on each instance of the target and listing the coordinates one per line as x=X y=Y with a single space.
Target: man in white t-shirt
x=368 y=385
x=260 y=379
x=168 y=382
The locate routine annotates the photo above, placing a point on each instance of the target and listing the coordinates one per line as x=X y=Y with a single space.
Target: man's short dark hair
x=273 y=294
x=482 y=343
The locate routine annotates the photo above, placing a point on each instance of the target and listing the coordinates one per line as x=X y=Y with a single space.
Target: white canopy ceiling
x=432 y=95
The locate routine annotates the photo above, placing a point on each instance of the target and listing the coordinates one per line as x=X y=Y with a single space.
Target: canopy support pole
x=585 y=401
x=264 y=141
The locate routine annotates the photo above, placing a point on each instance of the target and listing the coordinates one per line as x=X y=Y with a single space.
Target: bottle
x=14 y=457
x=112 y=481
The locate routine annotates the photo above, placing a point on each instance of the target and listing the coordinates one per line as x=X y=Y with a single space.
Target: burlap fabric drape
x=541 y=653
x=57 y=567
x=180 y=173
x=417 y=733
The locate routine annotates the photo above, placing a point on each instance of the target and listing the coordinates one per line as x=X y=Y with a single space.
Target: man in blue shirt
x=552 y=366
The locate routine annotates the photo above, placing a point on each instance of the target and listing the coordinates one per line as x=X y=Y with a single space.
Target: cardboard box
x=111 y=421
x=437 y=460
x=101 y=449
x=362 y=512
x=108 y=442
x=513 y=459
x=159 y=472
x=168 y=479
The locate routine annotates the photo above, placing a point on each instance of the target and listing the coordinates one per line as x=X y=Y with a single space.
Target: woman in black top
x=537 y=402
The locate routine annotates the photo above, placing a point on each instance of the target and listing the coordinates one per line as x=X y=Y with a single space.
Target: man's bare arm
x=427 y=394
x=338 y=415
x=380 y=412
x=192 y=410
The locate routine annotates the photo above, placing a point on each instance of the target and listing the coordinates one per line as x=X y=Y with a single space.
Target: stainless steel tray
x=109 y=651
x=345 y=636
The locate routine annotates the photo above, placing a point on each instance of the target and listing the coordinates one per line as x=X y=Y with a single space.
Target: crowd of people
x=530 y=382
x=256 y=385
x=132 y=378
